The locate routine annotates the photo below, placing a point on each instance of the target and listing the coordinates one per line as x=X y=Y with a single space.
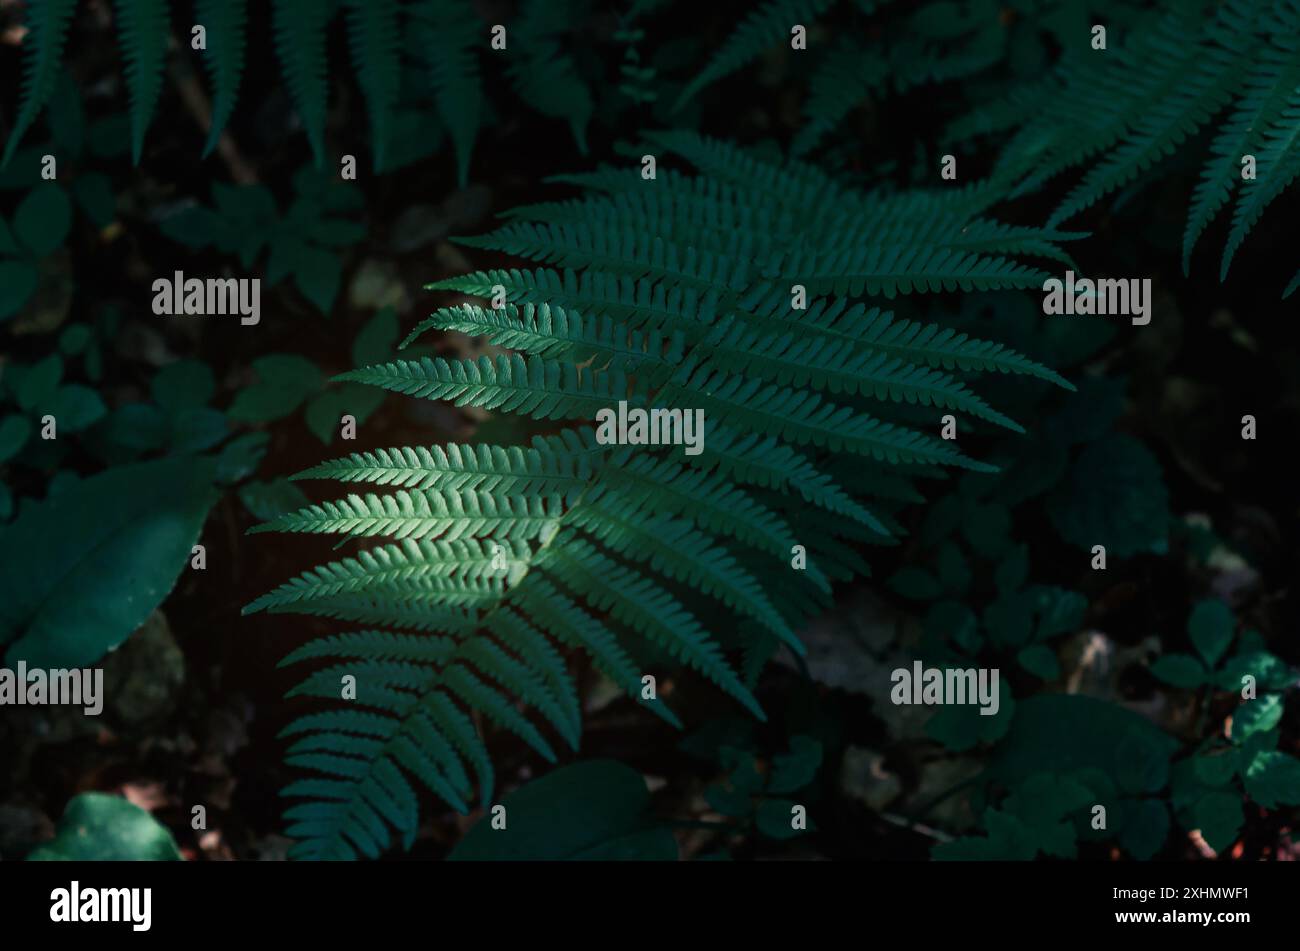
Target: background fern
x=506 y=559
x=401 y=53
x=1118 y=112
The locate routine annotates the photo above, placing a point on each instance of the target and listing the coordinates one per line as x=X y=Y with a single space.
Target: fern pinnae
x=644 y=604
x=1269 y=86
x=379 y=644
x=541 y=388
x=47 y=25
x=395 y=570
x=660 y=540
x=373 y=34
x=762 y=29
x=224 y=22
x=449 y=32
x=145 y=28
x=300 y=42
x=553 y=464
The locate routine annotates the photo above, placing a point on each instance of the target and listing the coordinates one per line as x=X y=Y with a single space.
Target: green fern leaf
x=224 y=21
x=373 y=33
x=145 y=29
x=47 y=27
x=761 y=30
x=450 y=34
x=300 y=43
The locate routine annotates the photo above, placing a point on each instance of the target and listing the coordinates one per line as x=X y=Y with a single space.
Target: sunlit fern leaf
x=145 y=29
x=47 y=26
x=493 y=567
x=373 y=34
x=224 y=22
x=300 y=43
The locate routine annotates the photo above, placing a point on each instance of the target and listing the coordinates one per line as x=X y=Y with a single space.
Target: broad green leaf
x=326 y=410
x=1142 y=765
x=961 y=726
x=97 y=827
x=75 y=407
x=39 y=382
x=1114 y=496
x=796 y=769
x=137 y=427
x=1210 y=628
x=14 y=431
x=194 y=430
x=597 y=810
x=316 y=273
x=268 y=500
x=43 y=218
x=1219 y=817
x=186 y=384
x=377 y=341
x=284 y=382
x=1257 y=716
x=79 y=572
x=94 y=193
x=1040 y=660
x=18 y=280
x=1180 y=670
x=1217 y=769
x=1146 y=828
x=1008 y=839
x=240 y=457
x=1070 y=732
x=987 y=529
x=1273 y=779
x=74 y=339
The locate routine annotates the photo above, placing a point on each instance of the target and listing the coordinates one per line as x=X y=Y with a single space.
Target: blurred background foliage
x=1123 y=684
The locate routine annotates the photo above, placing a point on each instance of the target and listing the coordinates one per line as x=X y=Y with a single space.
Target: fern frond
x=448 y=514
x=300 y=43
x=544 y=389
x=145 y=28
x=646 y=606
x=543 y=74
x=373 y=35
x=449 y=33
x=224 y=22
x=761 y=30
x=1118 y=113
x=496 y=562
x=47 y=27
x=554 y=464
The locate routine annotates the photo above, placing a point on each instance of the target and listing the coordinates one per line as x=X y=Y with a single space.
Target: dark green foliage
x=100 y=828
x=144 y=29
x=47 y=25
x=123 y=535
x=402 y=55
x=1063 y=756
x=757 y=801
x=1119 y=112
x=612 y=549
x=225 y=22
x=304 y=242
x=591 y=811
